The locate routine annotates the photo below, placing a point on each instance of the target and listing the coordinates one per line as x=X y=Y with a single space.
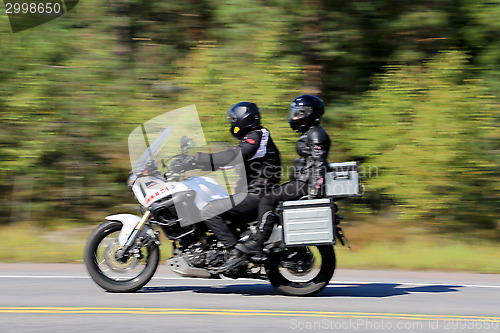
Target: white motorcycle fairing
x=207 y=189
x=149 y=189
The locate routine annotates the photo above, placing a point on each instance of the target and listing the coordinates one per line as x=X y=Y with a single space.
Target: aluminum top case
x=343 y=180
x=308 y=222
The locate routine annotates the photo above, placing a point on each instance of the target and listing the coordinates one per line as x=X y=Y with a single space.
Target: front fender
x=129 y=222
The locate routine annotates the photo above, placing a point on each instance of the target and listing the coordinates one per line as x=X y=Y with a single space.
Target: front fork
x=122 y=254
x=137 y=231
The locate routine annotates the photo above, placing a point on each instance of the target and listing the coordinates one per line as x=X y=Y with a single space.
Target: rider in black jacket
x=262 y=164
x=307 y=178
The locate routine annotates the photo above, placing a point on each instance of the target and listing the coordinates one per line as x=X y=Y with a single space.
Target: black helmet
x=306 y=111
x=244 y=116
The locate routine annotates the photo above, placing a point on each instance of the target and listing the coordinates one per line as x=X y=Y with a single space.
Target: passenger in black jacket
x=307 y=178
x=262 y=164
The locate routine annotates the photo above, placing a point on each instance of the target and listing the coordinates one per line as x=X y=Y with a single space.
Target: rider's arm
x=319 y=143
x=247 y=148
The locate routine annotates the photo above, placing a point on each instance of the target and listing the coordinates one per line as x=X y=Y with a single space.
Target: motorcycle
x=122 y=254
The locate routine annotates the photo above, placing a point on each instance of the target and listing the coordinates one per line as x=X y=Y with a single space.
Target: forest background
x=412 y=91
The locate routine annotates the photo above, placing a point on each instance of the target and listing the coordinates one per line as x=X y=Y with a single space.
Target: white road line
x=416 y=284
x=154 y=278
x=332 y=283
x=43 y=277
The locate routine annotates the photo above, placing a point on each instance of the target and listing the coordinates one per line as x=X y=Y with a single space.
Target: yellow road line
x=242 y=312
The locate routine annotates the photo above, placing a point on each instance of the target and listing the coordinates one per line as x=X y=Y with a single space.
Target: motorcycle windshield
x=158 y=139
x=157 y=143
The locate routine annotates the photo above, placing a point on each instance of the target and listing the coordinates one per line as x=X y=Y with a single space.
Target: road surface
x=62 y=298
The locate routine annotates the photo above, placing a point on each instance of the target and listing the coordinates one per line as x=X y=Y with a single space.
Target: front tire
x=292 y=279
x=112 y=274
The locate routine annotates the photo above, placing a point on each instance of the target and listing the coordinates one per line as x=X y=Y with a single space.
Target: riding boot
x=236 y=258
x=253 y=247
x=250 y=247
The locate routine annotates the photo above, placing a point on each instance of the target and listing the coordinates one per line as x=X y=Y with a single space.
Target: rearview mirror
x=186 y=143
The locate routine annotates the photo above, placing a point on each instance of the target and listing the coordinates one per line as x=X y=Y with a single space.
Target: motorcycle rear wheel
x=111 y=274
x=307 y=280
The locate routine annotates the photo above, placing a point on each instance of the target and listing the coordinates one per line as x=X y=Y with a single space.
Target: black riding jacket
x=261 y=159
x=312 y=163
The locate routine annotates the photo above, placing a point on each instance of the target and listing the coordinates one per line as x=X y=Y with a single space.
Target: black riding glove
x=183 y=164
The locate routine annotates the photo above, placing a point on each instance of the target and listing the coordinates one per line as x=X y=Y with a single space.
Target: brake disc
x=115 y=265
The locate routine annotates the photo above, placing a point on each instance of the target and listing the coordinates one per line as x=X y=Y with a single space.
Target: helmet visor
x=300 y=112
x=231 y=116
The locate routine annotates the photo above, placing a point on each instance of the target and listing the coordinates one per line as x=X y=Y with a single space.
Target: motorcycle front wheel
x=111 y=273
x=302 y=271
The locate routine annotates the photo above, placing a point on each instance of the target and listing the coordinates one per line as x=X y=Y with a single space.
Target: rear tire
x=291 y=283
x=110 y=274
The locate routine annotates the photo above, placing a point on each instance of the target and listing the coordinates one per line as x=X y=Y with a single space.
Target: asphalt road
x=62 y=298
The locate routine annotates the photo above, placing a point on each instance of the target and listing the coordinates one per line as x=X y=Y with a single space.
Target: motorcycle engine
x=195 y=255
x=215 y=258
x=200 y=255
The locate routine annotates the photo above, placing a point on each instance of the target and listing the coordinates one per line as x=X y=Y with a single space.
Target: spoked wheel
x=302 y=271
x=113 y=272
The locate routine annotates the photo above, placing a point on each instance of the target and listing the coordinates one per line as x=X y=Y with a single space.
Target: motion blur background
x=412 y=91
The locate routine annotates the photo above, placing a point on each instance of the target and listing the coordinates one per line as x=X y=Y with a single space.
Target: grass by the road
x=25 y=243
x=452 y=256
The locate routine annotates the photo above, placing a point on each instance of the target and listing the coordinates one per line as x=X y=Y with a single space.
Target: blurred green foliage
x=411 y=90
x=431 y=133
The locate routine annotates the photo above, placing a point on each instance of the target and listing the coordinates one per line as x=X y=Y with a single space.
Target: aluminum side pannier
x=343 y=180
x=308 y=222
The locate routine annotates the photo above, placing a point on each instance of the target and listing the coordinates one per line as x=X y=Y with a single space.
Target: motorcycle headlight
x=131 y=179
